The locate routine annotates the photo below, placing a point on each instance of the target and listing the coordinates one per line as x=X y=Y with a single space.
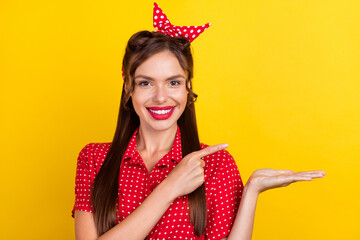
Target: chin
x=162 y=125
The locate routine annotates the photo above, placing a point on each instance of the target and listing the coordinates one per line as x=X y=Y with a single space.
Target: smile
x=161 y=113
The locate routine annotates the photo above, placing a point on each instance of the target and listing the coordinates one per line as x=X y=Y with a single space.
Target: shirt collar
x=175 y=153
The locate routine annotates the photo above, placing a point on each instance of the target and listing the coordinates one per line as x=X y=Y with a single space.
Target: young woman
x=155 y=180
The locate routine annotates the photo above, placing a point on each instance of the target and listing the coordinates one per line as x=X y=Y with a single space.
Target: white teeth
x=160 y=111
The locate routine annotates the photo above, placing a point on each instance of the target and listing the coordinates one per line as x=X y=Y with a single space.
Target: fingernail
x=225 y=145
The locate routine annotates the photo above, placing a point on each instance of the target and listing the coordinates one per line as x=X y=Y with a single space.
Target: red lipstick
x=161 y=108
x=161 y=113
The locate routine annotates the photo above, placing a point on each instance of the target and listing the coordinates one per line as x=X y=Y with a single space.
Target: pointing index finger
x=210 y=149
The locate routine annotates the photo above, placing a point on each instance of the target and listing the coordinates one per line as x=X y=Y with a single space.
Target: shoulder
x=94 y=154
x=95 y=149
x=216 y=161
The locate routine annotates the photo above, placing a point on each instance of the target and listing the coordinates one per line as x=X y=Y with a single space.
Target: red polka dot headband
x=163 y=25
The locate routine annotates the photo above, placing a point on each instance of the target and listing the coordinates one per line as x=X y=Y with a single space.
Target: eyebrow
x=170 y=78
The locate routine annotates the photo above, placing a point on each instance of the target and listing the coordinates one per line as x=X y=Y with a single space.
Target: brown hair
x=104 y=196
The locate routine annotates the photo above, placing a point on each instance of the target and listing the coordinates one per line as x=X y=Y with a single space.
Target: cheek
x=180 y=96
x=138 y=100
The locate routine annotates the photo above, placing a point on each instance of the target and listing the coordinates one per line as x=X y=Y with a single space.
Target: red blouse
x=223 y=188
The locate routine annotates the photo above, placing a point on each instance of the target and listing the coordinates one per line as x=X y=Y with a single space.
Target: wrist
x=167 y=191
x=251 y=188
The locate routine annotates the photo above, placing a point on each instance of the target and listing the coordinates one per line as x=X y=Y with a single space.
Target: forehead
x=160 y=65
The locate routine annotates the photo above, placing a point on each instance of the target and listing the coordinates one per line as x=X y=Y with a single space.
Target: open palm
x=267 y=178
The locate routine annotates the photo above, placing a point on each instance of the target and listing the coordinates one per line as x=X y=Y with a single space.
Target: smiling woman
x=155 y=180
x=144 y=177
x=160 y=92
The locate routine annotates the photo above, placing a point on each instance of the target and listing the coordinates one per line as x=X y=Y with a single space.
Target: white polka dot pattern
x=223 y=187
x=162 y=24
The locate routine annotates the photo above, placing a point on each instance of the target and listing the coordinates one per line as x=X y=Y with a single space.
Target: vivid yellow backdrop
x=278 y=80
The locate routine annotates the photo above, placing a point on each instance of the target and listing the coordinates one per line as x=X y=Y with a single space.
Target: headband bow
x=162 y=24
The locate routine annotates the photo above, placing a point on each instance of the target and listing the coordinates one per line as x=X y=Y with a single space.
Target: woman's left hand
x=267 y=178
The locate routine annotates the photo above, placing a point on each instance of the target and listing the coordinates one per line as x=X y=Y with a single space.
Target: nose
x=160 y=95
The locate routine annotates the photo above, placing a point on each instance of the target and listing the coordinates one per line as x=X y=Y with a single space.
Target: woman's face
x=159 y=97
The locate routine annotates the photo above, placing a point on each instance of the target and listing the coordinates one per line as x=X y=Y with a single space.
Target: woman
x=155 y=180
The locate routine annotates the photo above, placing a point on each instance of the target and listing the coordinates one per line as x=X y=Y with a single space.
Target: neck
x=152 y=141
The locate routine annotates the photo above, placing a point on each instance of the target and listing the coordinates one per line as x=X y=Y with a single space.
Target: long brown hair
x=104 y=196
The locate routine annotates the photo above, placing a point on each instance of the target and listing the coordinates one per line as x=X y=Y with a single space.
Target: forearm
x=244 y=222
x=140 y=222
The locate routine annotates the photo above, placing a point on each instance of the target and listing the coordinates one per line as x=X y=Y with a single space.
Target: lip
x=161 y=108
x=161 y=116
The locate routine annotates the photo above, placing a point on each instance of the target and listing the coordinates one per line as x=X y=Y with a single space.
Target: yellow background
x=277 y=80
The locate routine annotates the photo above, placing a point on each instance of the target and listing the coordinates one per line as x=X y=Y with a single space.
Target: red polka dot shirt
x=223 y=189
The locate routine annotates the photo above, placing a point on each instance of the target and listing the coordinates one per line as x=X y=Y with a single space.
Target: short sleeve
x=223 y=192
x=83 y=181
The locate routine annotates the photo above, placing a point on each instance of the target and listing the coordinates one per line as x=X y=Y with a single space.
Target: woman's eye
x=144 y=83
x=174 y=83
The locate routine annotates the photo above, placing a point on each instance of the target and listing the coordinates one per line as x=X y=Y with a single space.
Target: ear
x=189 y=84
x=126 y=87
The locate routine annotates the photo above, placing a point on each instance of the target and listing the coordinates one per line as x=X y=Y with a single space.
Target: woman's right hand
x=188 y=175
